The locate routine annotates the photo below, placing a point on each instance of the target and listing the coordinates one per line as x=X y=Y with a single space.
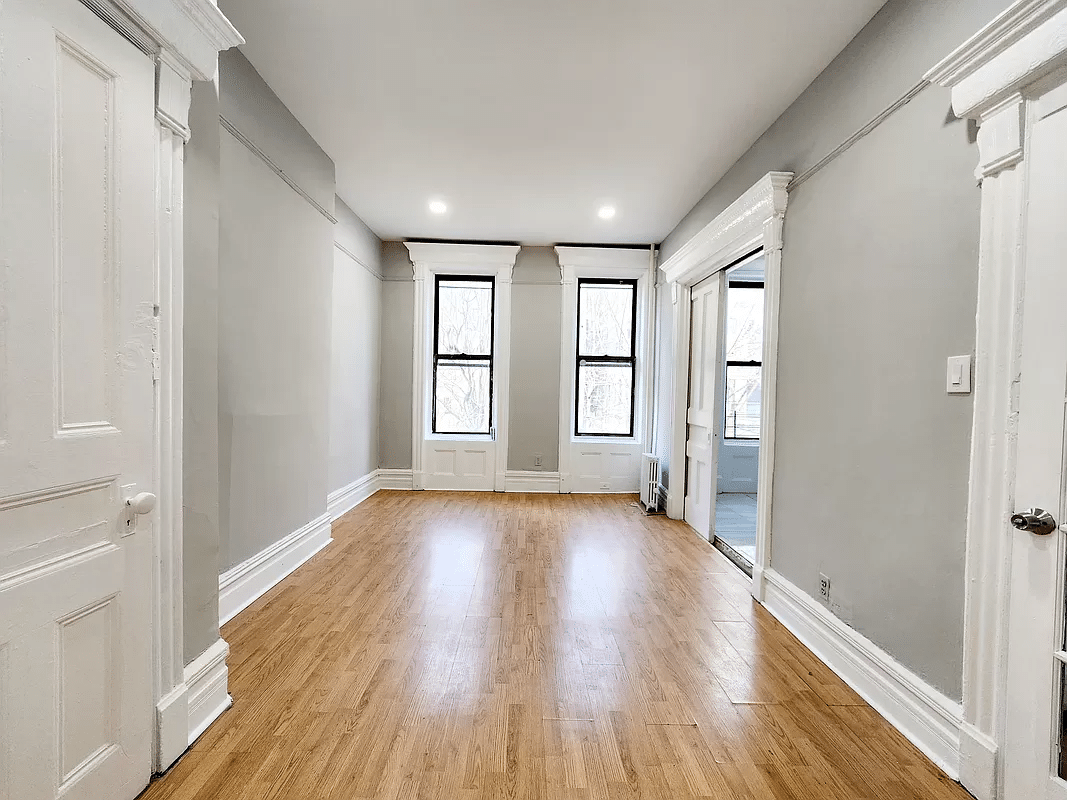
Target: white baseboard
x=207 y=679
x=172 y=727
x=530 y=481
x=395 y=479
x=348 y=497
x=978 y=763
x=924 y=715
x=242 y=585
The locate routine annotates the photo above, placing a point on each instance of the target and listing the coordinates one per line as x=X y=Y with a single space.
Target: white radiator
x=649 y=482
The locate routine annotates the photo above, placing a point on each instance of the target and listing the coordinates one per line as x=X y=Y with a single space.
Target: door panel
x=705 y=405
x=77 y=199
x=1035 y=658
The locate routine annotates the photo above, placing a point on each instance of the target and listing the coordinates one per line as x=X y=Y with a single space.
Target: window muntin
x=464 y=307
x=744 y=359
x=605 y=358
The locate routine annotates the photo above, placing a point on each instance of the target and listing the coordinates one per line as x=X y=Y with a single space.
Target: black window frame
x=592 y=360
x=438 y=356
x=740 y=283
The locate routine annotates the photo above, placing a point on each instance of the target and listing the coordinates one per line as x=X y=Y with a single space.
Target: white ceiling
x=526 y=116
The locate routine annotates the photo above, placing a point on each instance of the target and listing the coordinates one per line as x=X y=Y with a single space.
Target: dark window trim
x=741 y=284
x=438 y=357
x=592 y=360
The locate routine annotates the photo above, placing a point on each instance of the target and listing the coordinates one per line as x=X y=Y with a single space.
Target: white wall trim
x=530 y=481
x=343 y=500
x=208 y=680
x=1021 y=45
x=754 y=220
x=428 y=259
x=395 y=479
x=606 y=262
x=242 y=585
x=376 y=273
x=991 y=78
x=184 y=37
x=929 y=719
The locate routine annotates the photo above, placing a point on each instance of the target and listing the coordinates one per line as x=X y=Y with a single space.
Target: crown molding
x=1018 y=47
x=458 y=256
x=739 y=227
x=194 y=30
x=608 y=262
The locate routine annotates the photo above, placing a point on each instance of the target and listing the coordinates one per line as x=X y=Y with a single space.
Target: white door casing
x=994 y=77
x=467 y=463
x=592 y=464
x=755 y=220
x=705 y=403
x=77 y=423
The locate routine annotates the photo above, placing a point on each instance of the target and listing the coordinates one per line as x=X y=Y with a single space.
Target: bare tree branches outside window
x=463 y=355
x=604 y=390
x=744 y=359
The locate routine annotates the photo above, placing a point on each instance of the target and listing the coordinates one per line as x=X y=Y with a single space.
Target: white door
x=705 y=406
x=77 y=144
x=1035 y=747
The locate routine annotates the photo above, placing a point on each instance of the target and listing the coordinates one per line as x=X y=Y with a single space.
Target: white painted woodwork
x=78 y=338
x=755 y=220
x=993 y=78
x=471 y=463
x=704 y=414
x=595 y=464
x=1036 y=600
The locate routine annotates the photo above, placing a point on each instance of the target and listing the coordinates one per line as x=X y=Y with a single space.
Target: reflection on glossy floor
x=735 y=522
x=463 y=646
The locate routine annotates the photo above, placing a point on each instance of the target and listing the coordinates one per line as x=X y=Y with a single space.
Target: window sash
x=598 y=359
x=726 y=412
x=445 y=358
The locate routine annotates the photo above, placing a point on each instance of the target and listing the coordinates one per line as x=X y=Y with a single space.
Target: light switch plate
x=959 y=375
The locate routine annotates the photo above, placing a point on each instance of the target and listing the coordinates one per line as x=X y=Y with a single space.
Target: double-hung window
x=744 y=358
x=605 y=361
x=464 y=306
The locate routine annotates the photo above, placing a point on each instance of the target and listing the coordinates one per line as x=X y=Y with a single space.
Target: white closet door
x=77 y=200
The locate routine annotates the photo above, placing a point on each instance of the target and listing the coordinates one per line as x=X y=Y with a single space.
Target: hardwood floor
x=463 y=646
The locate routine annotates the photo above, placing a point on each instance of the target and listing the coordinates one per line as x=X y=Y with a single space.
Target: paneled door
x=77 y=322
x=704 y=416
x=1035 y=742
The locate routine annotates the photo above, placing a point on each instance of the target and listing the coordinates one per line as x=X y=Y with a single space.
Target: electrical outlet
x=605 y=485
x=824 y=588
x=538 y=460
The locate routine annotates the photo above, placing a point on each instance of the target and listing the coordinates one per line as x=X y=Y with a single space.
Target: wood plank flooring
x=463 y=646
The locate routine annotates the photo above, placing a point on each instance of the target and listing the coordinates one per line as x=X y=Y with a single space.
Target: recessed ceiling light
x=438 y=207
x=606 y=212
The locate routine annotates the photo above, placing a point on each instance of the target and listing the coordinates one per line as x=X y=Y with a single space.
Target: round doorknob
x=142 y=503
x=1035 y=520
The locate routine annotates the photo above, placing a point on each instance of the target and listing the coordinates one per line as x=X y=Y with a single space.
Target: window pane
x=461 y=403
x=607 y=320
x=605 y=395
x=744 y=324
x=465 y=317
x=742 y=402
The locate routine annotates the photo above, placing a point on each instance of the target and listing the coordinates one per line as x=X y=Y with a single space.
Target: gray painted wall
x=276 y=266
x=397 y=341
x=536 y=333
x=200 y=442
x=879 y=285
x=355 y=350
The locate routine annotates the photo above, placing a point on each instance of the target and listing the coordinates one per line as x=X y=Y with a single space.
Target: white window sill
x=459 y=437
x=604 y=440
